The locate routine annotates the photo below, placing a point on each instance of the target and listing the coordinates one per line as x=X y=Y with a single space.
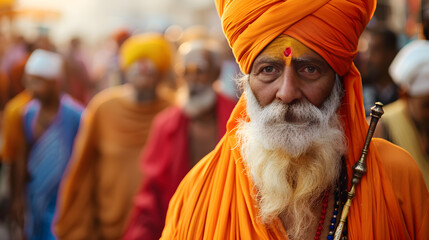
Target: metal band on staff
x=359 y=169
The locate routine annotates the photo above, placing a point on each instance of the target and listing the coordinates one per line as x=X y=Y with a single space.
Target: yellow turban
x=146 y=46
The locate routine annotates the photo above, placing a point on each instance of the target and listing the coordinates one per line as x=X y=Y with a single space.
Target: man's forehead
x=143 y=65
x=285 y=46
x=198 y=58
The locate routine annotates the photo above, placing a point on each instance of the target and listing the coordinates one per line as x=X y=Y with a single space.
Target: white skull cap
x=46 y=64
x=410 y=68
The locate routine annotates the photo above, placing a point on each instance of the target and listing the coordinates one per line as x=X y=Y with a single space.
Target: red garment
x=165 y=161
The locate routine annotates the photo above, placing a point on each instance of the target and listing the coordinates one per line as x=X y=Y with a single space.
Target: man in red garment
x=180 y=137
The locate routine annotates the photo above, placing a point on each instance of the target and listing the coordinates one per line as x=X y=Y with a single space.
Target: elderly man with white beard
x=284 y=166
x=180 y=137
x=294 y=140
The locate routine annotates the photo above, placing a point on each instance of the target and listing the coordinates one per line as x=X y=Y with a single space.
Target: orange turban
x=146 y=46
x=332 y=29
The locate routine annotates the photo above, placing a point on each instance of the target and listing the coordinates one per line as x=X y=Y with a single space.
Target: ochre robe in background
x=14 y=149
x=12 y=131
x=104 y=175
x=165 y=161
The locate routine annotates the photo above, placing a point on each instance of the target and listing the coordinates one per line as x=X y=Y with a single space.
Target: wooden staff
x=359 y=169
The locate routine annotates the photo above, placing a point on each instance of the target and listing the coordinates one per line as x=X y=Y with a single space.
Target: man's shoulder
x=170 y=113
x=31 y=108
x=106 y=96
x=210 y=169
x=18 y=102
x=169 y=118
x=217 y=184
x=198 y=180
x=72 y=106
x=396 y=160
x=408 y=185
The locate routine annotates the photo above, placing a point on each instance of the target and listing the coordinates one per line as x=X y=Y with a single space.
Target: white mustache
x=299 y=113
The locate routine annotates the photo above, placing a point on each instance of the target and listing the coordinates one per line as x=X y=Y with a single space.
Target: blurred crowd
x=95 y=142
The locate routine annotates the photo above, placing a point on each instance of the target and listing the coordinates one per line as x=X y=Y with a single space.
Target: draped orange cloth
x=95 y=198
x=214 y=200
x=12 y=130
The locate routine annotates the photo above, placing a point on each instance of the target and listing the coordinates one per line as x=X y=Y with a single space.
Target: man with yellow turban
x=103 y=176
x=180 y=136
x=282 y=168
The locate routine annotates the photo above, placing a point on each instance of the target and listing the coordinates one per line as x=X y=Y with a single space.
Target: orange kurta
x=103 y=176
x=214 y=201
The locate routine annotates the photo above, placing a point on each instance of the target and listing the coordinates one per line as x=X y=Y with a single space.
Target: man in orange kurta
x=11 y=129
x=298 y=56
x=13 y=152
x=96 y=193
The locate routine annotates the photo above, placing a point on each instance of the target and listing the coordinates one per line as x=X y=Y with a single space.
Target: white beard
x=292 y=164
x=203 y=100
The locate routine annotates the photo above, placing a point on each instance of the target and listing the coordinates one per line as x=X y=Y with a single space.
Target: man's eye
x=310 y=69
x=268 y=72
x=268 y=69
x=310 y=72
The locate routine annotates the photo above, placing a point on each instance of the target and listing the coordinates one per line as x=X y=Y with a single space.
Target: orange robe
x=14 y=147
x=12 y=131
x=103 y=176
x=214 y=201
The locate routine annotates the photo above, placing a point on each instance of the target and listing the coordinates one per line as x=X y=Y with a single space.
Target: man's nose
x=289 y=88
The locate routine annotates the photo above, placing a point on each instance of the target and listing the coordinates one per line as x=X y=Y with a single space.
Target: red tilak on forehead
x=287 y=52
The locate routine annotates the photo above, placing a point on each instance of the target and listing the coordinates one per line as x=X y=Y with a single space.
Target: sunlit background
x=93 y=20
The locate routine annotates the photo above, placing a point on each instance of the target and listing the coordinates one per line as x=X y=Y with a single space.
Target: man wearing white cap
x=406 y=121
x=50 y=124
